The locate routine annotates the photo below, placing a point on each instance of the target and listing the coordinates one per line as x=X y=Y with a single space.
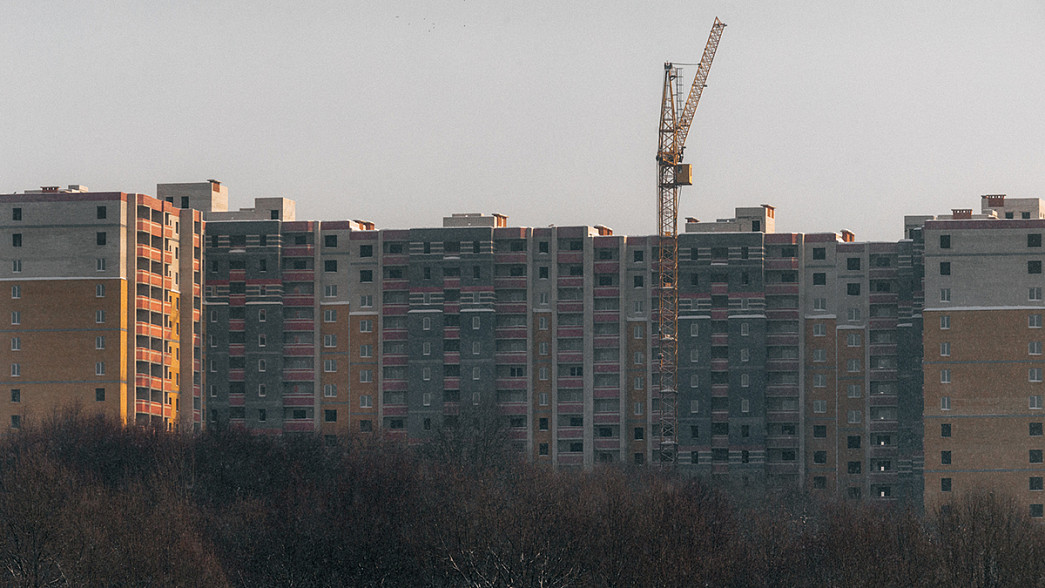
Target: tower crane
x=675 y=120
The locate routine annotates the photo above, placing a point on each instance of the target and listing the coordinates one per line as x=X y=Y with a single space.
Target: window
x=945 y=376
x=1035 y=401
x=945 y=484
x=366 y=376
x=1034 y=240
x=16 y=214
x=1034 y=456
x=16 y=291
x=542 y=399
x=854 y=417
x=745 y=380
x=16 y=370
x=16 y=265
x=745 y=330
x=820 y=431
x=99 y=368
x=945 y=322
x=16 y=317
x=820 y=304
x=99 y=264
x=426 y=374
x=1035 y=429
x=262 y=366
x=329 y=316
x=475 y=373
x=1034 y=321
x=820 y=406
x=853 y=314
x=854 y=467
x=330 y=290
x=945 y=241
x=366 y=326
x=16 y=240
x=100 y=238
x=475 y=323
x=99 y=316
x=1034 y=293
x=945 y=349
x=852 y=365
x=819 y=457
x=1037 y=510
x=1034 y=267
x=262 y=340
x=1036 y=483
x=1034 y=375
x=330 y=365
x=945 y=457
x=330 y=416
x=426 y=323
x=852 y=289
x=99 y=342
x=819 y=279
x=542 y=323
x=945 y=268
x=945 y=429
x=945 y=403
x=366 y=275
x=637 y=281
x=853 y=339
x=328 y=340
x=853 y=391
x=819 y=330
x=366 y=401
x=262 y=390
x=819 y=380
x=819 y=253
x=945 y=294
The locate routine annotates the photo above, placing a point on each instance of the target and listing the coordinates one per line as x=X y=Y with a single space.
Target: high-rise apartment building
x=983 y=360
x=101 y=307
x=799 y=358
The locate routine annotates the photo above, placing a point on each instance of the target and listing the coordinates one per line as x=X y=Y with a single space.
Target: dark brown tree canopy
x=84 y=502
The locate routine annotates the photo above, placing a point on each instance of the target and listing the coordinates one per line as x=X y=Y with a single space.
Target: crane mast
x=675 y=121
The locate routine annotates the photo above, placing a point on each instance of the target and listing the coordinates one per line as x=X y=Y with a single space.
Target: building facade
x=983 y=361
x=103 y=293
x=907 y=371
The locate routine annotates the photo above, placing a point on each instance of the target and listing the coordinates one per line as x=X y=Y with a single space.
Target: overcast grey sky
x=842 y=115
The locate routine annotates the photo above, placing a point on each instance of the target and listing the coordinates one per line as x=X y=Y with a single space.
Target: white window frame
x=99 y=342
x=366 y=401
x=366 y=376
x=945 y=376
x=329 y=390
x=820 y=406
x=945 y=349
x=366 y=351
x=330 y=366
x=99 y=368
x=945 y=403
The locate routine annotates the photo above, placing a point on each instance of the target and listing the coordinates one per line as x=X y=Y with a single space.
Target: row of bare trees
x=86 y=502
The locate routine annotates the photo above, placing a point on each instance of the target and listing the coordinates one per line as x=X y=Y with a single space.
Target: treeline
x=84 y=502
